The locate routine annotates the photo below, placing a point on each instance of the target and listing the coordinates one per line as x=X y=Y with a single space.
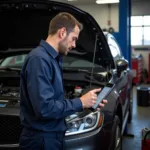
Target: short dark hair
x=66 y=20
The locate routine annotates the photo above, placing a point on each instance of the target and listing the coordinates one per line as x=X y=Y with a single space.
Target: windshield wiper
x=67 y=70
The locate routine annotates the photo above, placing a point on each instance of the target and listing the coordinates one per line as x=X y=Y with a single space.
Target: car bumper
x=95 y=140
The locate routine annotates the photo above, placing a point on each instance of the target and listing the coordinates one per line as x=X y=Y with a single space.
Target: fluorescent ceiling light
x=106 y=1
x=71 y=0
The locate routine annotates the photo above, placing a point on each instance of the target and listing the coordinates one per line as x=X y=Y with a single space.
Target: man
x=42 y=104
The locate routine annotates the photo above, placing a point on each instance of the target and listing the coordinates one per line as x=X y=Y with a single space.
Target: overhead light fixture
x=71 y=0
x=106 y=1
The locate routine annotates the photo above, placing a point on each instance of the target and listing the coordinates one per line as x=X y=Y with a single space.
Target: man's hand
x=102 y=104
x=89 y=99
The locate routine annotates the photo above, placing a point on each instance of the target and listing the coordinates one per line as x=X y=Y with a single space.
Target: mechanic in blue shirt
x=42 y=104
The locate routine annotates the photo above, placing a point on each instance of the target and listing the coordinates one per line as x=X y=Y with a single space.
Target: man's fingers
x=101 y=105
x=94 y=97
x=96 y=90
x=105 y=101
x=98 y=109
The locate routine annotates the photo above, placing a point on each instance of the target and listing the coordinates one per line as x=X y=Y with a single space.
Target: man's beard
x=63 y=47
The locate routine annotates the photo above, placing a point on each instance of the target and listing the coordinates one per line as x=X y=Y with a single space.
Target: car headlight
x=84 y=124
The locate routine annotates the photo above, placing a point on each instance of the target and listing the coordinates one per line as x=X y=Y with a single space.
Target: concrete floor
x=141 y=119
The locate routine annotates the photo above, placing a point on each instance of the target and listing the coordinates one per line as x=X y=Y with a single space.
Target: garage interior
x=113 y=18
x=140 y=120
x=129 y=22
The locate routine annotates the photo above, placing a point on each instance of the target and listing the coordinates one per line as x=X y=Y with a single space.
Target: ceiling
x=78 y=2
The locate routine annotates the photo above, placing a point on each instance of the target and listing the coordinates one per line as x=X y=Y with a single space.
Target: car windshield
x=76 y=62
x=68 y=62
x=13 y=61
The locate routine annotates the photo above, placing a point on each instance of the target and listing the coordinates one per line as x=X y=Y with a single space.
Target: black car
x=96 y=62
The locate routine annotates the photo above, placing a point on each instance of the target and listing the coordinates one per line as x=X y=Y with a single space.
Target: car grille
x=10 y=129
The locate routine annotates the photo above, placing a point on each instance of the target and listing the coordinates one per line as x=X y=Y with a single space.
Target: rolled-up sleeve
x=38 y=75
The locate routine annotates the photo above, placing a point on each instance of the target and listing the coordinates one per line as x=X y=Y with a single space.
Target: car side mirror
x=122 y=65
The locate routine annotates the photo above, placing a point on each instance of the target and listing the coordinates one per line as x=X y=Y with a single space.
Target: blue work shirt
x=42 y=103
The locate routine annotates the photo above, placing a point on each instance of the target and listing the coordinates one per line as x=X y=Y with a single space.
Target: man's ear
x=63 y=33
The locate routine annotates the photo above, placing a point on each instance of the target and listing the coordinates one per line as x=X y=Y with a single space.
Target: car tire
x=116 y=138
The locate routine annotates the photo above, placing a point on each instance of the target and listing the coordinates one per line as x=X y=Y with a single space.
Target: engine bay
x=75 y=85
x=9 y=92
x=71 y=91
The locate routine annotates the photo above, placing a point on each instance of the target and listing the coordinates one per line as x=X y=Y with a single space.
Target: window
x=140 y=30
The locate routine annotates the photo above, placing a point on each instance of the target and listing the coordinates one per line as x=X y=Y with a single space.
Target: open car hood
x=25 y=22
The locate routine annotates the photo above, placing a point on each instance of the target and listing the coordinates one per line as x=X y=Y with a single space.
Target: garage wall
x=141 y=8
x=101 y=13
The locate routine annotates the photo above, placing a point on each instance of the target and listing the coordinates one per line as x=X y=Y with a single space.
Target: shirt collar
x=49 y=48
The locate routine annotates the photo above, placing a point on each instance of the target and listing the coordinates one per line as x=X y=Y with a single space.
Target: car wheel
x=116 y=135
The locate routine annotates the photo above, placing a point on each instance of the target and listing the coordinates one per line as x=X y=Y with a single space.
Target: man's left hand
x=101 y=105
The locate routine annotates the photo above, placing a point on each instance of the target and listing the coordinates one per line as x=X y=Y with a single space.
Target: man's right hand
x=89 y=99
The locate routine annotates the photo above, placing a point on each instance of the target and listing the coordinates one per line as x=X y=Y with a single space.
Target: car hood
x=25 y=22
